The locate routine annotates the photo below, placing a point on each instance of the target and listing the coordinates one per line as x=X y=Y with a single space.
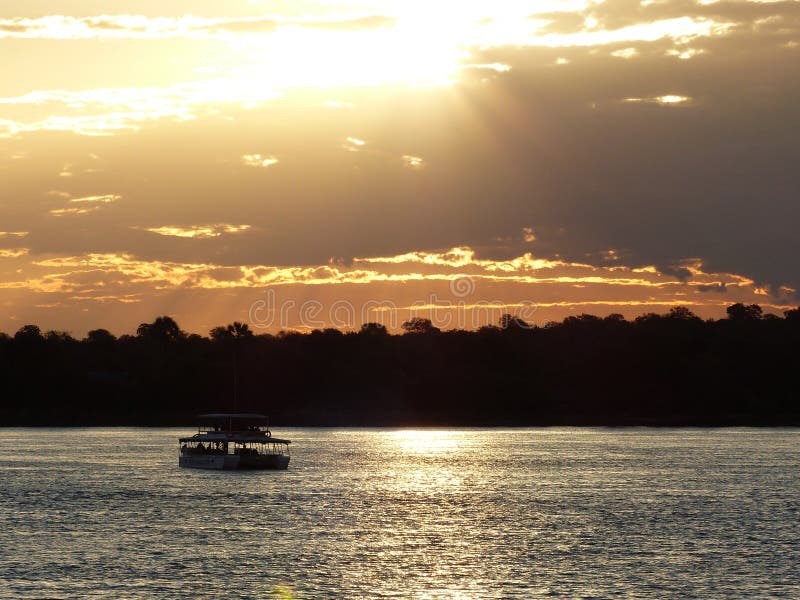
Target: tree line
x=658 y=369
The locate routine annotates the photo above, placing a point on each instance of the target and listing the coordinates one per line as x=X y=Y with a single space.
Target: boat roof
x=237 y=416
x=222 y=436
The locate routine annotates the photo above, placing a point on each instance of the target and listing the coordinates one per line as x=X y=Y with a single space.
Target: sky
x=310 y=164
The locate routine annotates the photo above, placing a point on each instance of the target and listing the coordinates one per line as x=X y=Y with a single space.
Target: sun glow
x=261 y=59
x=421 y=441
x=300 y=57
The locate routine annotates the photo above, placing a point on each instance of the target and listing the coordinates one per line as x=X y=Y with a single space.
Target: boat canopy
x=234 y=427
x=239 y=417
x=233 y=438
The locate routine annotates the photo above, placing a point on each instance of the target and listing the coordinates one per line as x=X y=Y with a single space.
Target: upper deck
x=234 y=427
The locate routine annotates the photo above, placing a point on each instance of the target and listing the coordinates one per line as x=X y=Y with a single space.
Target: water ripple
x=396 y=514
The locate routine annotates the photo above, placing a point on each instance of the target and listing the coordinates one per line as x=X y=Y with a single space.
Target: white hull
x=233 y=462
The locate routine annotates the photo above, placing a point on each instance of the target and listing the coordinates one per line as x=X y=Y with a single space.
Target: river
x=380 y=513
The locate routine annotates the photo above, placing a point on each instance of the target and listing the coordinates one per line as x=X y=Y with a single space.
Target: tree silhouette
x=659 y=369
x=373 y=329
x=58 y=337
x=740 y=312
x=582 y=319
x=682 y=313
x=163 y=329
x=419 y=325
x=793 y=315
x=29 y=333
x=511 y=323
x=100 y=337
x=235 y=330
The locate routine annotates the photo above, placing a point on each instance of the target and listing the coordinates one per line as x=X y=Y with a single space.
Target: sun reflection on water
x=424 y=461
x=423 y=441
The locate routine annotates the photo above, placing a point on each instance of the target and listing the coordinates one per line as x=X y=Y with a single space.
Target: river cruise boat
x=233 y=441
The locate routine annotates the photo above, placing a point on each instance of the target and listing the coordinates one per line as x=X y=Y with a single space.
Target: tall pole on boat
x=235 y=373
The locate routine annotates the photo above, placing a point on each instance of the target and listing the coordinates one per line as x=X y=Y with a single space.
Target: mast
x=235 y=374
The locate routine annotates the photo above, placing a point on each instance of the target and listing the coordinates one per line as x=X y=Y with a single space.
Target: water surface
x=461 y=513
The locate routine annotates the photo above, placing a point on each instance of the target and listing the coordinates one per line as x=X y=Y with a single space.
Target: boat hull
x=233 y=462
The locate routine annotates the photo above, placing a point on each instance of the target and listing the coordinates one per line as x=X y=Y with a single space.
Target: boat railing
x=262 y=430
x=254 y=449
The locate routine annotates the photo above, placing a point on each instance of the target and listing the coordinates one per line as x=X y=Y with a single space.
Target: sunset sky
x=217 y=160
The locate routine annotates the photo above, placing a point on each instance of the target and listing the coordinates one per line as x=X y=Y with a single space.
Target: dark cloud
x=707 y=179
x=616 y=14
x=679 y=273
x=716 y=287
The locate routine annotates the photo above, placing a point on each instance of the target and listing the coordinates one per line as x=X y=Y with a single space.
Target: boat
x=233 y=441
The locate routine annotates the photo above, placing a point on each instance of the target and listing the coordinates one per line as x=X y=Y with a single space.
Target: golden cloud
x=61 y=27
x=104 y=199
x=86 y=204
x=413 y=162
x=198 y=231
x=13 y=252
x=66 y=212
x=451 y=280
x=454 y=264
x=119 y=110
x=353 y=144
x=259 y=160
x=666 y=99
